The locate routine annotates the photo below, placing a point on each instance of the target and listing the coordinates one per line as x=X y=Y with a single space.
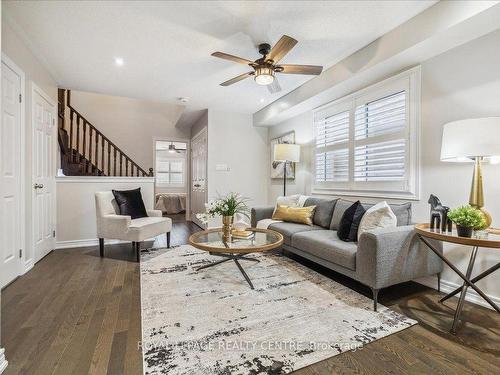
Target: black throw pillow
x=348 y=227
x=130 y=203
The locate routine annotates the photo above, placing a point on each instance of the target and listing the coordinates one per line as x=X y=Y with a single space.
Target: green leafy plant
x=229 y=205
x=467 y=216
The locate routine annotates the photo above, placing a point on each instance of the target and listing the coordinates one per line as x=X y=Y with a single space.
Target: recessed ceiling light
x=262 y=100
x=119 y=61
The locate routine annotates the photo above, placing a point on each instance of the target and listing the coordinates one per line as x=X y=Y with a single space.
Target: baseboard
x=85 y=243
x=88 y=243
x=448 y=286
x=28 y=265
x=3 y=361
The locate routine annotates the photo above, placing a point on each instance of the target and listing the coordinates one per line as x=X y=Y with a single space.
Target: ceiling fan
x=265 y=68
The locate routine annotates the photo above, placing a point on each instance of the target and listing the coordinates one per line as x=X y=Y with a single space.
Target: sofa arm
x=391 y=256
x=154 y=213
x=259 y=213
x=112 y=226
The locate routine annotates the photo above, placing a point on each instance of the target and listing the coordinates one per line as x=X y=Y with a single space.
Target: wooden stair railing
x=84 y=145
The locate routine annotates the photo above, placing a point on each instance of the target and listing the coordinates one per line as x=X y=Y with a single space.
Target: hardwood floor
x=76 y=313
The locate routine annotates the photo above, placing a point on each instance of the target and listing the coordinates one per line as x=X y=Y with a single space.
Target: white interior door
x=10 y=183
x=43 y=168
x=198 y=175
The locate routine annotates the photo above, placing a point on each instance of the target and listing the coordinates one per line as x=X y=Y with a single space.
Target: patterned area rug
x=210 y=322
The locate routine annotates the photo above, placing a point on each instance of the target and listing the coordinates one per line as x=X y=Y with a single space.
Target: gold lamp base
x=476 y=198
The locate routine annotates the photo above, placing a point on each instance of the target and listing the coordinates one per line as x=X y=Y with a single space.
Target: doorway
x=11 y=171
x=171 y=178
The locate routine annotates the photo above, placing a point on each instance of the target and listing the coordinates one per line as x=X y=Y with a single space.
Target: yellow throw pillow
x=302 y=215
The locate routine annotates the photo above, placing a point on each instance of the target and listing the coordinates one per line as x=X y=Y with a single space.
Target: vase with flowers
x=226 y=207
x=467 y=219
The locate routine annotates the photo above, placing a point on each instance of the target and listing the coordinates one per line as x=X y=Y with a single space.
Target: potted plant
x=226 y=207
x=466 y=218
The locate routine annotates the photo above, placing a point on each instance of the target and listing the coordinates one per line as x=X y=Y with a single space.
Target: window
x=366 y=143
x=170 y=164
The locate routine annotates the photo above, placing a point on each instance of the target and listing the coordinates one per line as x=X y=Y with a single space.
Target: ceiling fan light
x=264 y=76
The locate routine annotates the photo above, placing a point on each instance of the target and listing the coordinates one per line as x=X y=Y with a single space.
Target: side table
x=492 y=241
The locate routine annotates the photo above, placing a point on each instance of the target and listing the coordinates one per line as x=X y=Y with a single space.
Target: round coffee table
x=211 y=240
x=492 y=241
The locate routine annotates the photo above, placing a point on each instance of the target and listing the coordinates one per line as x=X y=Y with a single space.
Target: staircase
x=85 y=151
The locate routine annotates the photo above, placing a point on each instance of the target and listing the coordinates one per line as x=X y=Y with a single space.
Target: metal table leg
x=460 y=305
x=474 y=280
x=235 y=258
x=462 y=276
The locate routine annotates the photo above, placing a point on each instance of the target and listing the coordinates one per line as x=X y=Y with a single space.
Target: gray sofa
x=381 y=258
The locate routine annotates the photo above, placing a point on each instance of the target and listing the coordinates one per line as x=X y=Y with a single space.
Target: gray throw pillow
x=323 y=212
x=340 y=207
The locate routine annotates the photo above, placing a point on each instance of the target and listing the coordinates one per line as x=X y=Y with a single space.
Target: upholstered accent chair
x=112 y=225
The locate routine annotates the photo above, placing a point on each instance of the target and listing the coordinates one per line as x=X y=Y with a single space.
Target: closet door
x=10 y=174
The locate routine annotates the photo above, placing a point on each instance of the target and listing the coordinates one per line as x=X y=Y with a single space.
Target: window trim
x=411 y=81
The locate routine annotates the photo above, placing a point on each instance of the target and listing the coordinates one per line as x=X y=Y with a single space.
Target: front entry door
x=10 y=183
x=43 y=174
x=198 y=175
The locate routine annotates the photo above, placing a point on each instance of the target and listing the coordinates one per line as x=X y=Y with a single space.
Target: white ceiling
x=166 y=46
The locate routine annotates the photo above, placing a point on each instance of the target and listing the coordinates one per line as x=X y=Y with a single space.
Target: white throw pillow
x=377 y=216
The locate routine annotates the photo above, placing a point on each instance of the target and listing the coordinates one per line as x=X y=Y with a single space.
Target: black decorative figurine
x=439 y=214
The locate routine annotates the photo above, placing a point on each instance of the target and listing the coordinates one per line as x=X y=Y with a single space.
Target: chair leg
x=101 y=247
x=439 y=281
x=134 y=247
x=138 y=250
x=168 y=239
x=375 y=298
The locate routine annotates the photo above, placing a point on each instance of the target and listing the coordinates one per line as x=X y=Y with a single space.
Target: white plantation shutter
x=382 y=116
x=384 y=161
x=332 y=166
x=332 y=129
x=367 y=142
x=332 y=153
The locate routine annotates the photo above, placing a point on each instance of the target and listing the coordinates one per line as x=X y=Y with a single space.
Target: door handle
x=197 y=185
x=38 y=186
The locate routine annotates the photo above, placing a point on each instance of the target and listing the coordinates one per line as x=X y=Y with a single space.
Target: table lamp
x=473 y=140
x=286 y=153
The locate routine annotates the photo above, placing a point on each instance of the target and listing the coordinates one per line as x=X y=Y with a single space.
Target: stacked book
x=243 y=234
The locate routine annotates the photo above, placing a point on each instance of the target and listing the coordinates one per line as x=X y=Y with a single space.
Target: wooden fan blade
x=229 y=57
x=237 y=79
x=300 y=69
x=274 y=87
x=280 y=49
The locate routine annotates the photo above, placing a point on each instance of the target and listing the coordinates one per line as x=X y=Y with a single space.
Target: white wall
x=461 y=83
x=76 y=220
x=233 y=141
x=131 y=123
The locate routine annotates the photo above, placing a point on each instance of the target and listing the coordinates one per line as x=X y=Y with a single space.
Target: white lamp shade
x=466 y=139
x=287 y=152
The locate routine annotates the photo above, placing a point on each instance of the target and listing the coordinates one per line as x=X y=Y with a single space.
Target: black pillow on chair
x=348 y=227
x=130 y=203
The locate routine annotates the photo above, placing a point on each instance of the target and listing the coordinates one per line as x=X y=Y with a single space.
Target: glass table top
x=260 y=240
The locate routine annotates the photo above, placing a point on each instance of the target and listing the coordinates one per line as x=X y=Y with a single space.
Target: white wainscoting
x=76 y=220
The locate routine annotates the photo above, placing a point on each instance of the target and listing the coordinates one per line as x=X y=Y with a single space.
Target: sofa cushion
x=349 y=224
x=326 y=245
x=143 y=228
x=340 y=207
x=324 y=210
x=289 y=229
